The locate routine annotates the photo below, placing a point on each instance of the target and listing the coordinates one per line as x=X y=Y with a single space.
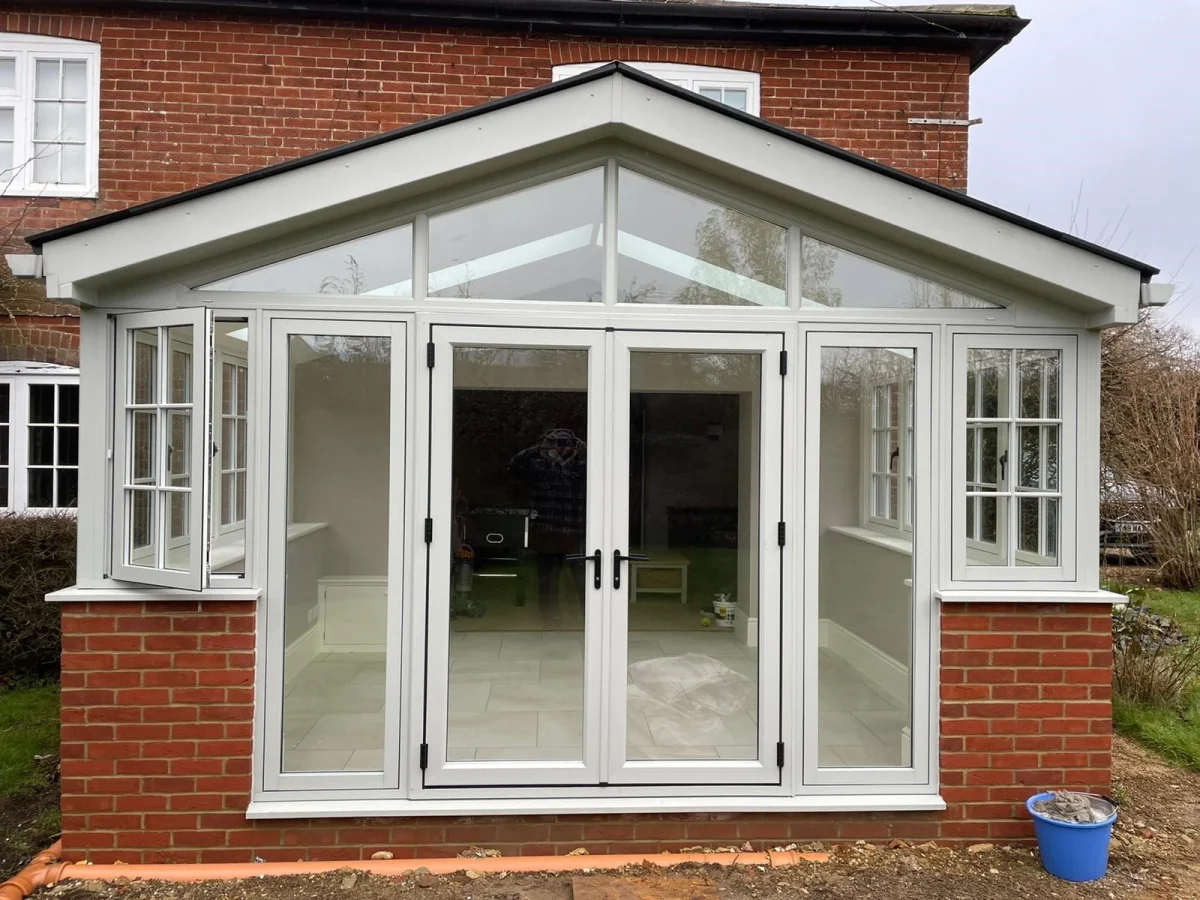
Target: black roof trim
x=604 y=71
x=982 y=34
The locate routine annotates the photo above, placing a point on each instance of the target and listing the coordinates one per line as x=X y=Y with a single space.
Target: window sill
x=1030 y=596
x=137 y=594
x=322 y=809
x=229 y=549
x=51 y=192
x=870 y=536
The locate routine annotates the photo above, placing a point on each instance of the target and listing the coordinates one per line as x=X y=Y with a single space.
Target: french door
x=603 y=574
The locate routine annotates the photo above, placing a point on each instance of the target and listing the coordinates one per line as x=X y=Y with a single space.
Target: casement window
x=729 y=86
x=39 y=440
x=49 y=116
x=889 y=449
x=1014 y=403
x=181 y=377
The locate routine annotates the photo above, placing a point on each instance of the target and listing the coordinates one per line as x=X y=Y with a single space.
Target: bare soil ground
x=1155 y=854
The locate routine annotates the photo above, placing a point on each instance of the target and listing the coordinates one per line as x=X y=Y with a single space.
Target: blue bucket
x=1071 y=851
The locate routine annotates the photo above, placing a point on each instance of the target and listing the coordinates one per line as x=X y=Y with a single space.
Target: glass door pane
x=696 y=613
x=333 y=550
x=513 y=599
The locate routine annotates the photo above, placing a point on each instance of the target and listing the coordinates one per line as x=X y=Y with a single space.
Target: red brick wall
x=157 y=704
x=52 y=339
x=190 y=99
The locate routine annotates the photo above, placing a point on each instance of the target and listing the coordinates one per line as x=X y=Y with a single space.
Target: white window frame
x=903 y=472
x=18 y=424
x=241 y=366
x=27 y=49
x=689 y=77
x=195 y=576
x=1019 y=565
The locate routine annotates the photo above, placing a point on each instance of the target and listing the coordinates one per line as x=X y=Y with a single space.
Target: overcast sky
x=1103 y=94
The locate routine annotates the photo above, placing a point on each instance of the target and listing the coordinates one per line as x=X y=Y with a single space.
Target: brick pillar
x=1026 y=707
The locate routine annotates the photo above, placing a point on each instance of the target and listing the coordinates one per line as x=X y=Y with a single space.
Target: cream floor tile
x=838 y=728
x=545 y=650
x=739 y=751
x=887 y=726
x=296 y=726
x=469 y=697
x=345 y=731
x=316 y=760
x=674 y=729
x=561 y=728
x=869 y=755
x=528 y=753
x=365 y=761
x=342 y=698
x=460 y=754
x=493 y=729
x=845 y=694
x=827 y=756
x=534 y=697
x=370 y=673
x=463 y=671
x=681 y=751
x=637 y=731
x=561 y=670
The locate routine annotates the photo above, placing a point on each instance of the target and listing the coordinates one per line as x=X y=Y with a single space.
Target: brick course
x=157 y=708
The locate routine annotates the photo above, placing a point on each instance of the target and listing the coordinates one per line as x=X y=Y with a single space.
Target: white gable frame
x=613 y=101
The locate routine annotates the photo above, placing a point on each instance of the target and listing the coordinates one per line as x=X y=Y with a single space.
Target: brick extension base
x=157 y=704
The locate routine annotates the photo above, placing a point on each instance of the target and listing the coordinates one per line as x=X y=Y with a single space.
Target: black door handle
x=598 y=559
x=617 y=560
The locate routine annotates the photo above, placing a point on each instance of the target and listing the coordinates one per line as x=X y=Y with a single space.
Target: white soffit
x=574 y=115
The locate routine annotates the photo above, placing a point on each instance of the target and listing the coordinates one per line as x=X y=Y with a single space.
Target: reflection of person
x=556 y=471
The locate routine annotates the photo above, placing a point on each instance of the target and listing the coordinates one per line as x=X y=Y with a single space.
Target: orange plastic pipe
x=439 y=866
x=34 y=875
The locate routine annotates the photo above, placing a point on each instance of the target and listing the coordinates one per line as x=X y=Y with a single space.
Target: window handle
x=617 y=560
x=598 y=558
x=892 y=459
x=1003 y=465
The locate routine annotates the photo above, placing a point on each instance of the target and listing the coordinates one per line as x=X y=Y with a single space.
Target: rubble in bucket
x=1071 y=806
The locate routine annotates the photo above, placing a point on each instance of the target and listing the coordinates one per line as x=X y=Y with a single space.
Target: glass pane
x=542 y=243
x=1051 y=456
x=46 y=77
x=4 y=450
x=864 y=718
x=68 y=488
x=1029 y=385
x=989 y=456
x=68 y=446
x=379 y=264
x=144 y=384
x=831 y=276
x=231 y=338
x=8 y=73
x=41 y=446
x=45 y=163
x=988 y=546
x=179 y=544
x=1029 y=525
x=4 y=398
x=179 y=374
x=228 y=375
x=711 y=93
x=675 y=247
x=41 y=403
x=74 y=164
x=333 y=711
x=74 y=85
x=3 y=480
x=6 y=124
x=1051 y=536
x=179 y=444
x=142 y=528
x=68 y=404
x=693 y=675
x=972 y=505
x=972 y=383
x=47 y=125
x=1029 y=439
x=227 y=498
x=972 y=439
x=6 y=155
x=143 y=455
x=517 y=606
x=736 y=99
x=74 y=122
x=41 y=488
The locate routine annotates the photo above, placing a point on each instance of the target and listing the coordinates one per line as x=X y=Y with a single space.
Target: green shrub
x=37 y=556
x=1155 y=662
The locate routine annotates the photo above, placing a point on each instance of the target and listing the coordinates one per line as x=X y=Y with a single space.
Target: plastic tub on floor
x=1071 y=851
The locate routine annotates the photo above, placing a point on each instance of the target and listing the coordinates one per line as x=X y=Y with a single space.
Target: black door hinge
x=782 y=533
x=779 y=754
x=425 y=756
x=782 y=362
x=429 y=531
x=430 y=353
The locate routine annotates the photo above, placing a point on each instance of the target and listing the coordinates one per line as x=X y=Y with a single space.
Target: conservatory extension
x=599 y=450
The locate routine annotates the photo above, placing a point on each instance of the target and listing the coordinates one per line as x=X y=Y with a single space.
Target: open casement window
x=889 y=431
x=161 y=456
x=1014 y=452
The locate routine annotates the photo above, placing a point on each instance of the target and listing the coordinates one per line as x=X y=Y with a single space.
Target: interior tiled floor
x=519 y=695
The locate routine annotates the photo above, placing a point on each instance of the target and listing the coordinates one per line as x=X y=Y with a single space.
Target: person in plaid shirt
x=555 y=470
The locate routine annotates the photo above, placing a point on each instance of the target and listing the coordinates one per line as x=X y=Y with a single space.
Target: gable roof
x=981 y=30
x=596 y=74
x=612 y=101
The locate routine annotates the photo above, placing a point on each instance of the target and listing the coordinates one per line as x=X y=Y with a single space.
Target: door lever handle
x=618 y=558
x=598 y=558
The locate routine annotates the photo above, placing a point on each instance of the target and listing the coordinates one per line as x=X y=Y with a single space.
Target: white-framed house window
x=49 y=116
x=733 y=87
x=1014 y=456
x=39 y=437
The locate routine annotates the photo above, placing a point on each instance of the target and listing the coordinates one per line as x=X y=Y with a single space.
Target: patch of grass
x=1175 y=735
x=1182 y=606
x=28 y=729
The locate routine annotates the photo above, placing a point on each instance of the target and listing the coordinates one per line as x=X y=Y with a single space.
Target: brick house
x=377 y=554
